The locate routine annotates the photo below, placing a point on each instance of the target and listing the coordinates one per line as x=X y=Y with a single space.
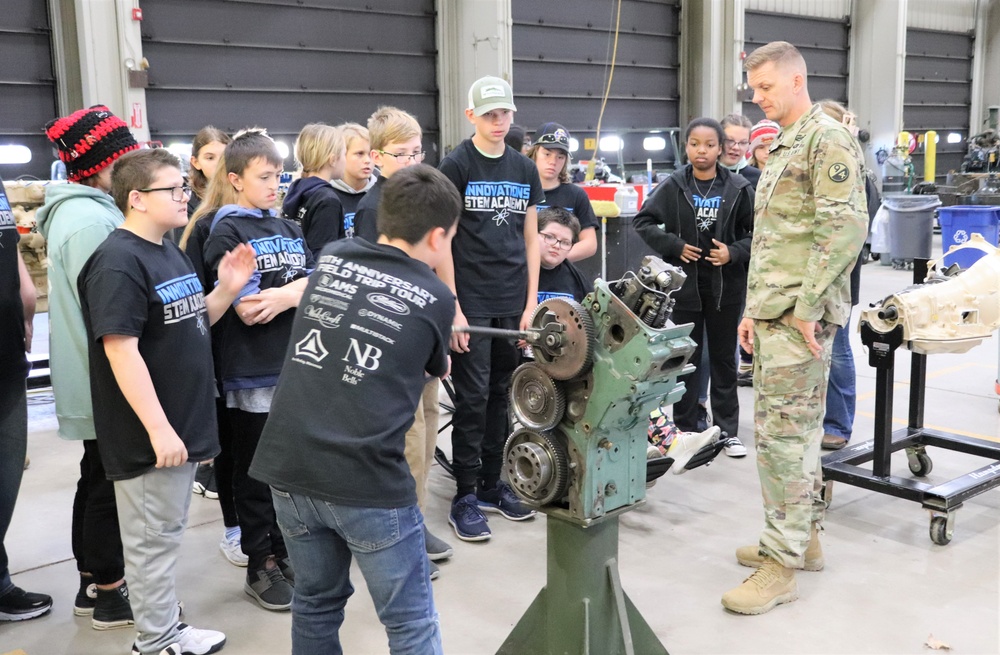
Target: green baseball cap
x=489 y=93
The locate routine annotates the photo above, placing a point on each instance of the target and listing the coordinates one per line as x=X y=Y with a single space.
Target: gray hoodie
x=74 y=220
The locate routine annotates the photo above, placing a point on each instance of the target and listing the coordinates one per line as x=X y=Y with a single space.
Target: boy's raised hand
x=236 y=267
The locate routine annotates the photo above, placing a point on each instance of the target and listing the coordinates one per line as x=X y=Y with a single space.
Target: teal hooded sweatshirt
x=74 y=220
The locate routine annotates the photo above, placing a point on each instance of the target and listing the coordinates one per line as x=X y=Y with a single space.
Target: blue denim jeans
x=841 y=392
x=322 y=537
x=13 y=443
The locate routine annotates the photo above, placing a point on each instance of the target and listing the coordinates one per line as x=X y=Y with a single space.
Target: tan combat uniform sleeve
x=840 y=223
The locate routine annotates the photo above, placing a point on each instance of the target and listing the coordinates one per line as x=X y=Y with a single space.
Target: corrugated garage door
x=937 y=94
x=284 y=63
x=27 y=85
x=823 y=42
x=560 y=53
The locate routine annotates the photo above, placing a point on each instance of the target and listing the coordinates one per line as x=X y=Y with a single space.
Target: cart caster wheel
x=940 y=533
x=826 y=493
x=920 y=464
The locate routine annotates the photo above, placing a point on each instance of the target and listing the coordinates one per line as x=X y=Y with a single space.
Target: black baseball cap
x=552 y=136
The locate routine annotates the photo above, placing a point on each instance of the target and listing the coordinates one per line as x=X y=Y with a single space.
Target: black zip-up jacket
x=666 y=223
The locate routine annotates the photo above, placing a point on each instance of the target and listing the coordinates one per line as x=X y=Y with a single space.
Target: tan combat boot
x=750 y=555
x=770 y=585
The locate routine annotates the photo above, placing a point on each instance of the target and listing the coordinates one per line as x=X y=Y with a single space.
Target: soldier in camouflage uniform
x=810 y=225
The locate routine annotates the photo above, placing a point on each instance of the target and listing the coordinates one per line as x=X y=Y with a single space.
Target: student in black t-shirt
x=558 y=231
x=374 y=323
x=550 y=152
x=311 y=200
x=395 y=138
x=494 y=272
x=254 y=338
x=701 y=219
x=147 y=323
x=359 y=172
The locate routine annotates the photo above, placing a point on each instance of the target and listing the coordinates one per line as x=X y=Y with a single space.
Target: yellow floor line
x=941 y=428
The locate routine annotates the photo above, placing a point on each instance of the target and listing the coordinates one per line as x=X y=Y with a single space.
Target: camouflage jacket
x=810 y=223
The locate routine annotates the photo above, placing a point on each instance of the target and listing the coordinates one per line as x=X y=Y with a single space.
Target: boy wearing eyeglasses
x=493 y=272
x=558 y=231
x=395 y=139
x=147 y=322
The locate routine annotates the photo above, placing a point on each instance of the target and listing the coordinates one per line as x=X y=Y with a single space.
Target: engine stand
x=942 y=500
x=582 y=610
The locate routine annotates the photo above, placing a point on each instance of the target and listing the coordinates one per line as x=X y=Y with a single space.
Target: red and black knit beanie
x=89 y=140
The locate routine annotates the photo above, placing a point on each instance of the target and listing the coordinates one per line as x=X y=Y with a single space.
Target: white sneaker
x=734 y=447
x=192 y=641
x=687 y=444
x=233 y=551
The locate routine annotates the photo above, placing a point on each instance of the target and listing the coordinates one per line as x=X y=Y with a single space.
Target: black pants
x=97 y=542
x=720 y=325
x=224 y=465
x=481 y=427
x=261 y=536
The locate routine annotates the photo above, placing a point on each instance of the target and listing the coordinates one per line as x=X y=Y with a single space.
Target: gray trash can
x=911 y=225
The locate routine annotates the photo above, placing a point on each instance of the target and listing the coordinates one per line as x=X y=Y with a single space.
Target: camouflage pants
x=789 y=405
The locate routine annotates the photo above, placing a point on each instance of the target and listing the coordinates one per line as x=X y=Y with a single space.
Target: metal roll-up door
x=27 y=85
x=937 y=94
x=282 y=64
x=823 y=42
x=561 y=52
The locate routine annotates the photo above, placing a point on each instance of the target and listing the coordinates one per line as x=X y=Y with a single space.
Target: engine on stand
x=600 y=368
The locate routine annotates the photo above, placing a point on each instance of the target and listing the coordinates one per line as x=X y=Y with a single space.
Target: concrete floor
x=886 y=588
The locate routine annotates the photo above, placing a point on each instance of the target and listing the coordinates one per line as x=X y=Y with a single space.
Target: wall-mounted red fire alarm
x=136 y=13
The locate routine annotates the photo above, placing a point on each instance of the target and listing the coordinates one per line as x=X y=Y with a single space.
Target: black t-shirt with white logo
x=563 y=281
x=252 y=354
x=370 y=323
x=707 y=197
x=132 y=287
x=574 y=200
x=491 y=273
x=13 y=363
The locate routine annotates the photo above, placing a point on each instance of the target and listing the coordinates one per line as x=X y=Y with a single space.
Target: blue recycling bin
x=959 y=222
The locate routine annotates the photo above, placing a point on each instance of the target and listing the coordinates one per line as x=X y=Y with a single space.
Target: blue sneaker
x=502 y=500
x=467 y=520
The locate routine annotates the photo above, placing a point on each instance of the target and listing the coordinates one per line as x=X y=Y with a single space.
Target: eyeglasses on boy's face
x=729 y=143
x=177 y=193
x=552 y=240
x=415 y=157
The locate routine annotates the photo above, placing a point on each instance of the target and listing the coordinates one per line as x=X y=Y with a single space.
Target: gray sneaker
x=437 y=549
x=270 y=589
x=435 y=571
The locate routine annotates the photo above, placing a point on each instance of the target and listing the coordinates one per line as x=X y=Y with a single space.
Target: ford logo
x=388 y=303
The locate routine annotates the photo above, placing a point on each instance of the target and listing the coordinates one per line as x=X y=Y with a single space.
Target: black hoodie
x=666 y=223
x=315 y=206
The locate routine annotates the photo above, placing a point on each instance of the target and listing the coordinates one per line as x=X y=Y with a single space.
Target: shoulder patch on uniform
x=839 y=172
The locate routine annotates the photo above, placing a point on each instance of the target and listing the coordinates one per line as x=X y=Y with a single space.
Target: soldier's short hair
x=779 y=52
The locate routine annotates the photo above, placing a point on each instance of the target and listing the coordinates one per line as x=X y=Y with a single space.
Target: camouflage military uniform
x=810 y=224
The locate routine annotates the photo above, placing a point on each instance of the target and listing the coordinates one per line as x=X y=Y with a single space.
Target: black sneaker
x=744 y=378
x=112 y=609
x=86 y=597
x=204 y=482
x=20 y=605
x=502 y=500
x=467 y=519
x=269 y=588
x=285 y=566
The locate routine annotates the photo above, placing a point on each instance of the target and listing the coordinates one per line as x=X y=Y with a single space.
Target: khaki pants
x=421 y=439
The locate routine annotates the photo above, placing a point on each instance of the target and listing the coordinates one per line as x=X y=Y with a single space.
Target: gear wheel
x=537 y=466
x=566 y=347
x=537 y=401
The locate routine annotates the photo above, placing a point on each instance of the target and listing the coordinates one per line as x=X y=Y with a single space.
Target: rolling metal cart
x=942 y=500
